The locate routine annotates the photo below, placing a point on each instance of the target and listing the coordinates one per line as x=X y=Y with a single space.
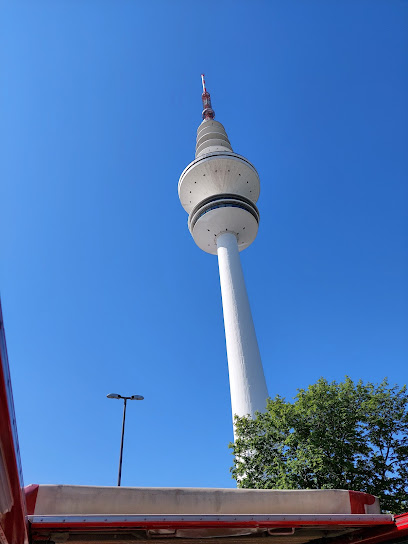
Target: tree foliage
x=333 y=436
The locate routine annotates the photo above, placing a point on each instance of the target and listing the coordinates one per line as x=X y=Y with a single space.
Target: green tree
x=333 y=436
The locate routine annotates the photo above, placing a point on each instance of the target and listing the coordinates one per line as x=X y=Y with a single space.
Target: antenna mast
x=208 y=112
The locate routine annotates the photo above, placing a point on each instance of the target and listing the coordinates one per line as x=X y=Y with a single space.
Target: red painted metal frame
x=13 y=523
x=199 y=522
x=31 y=492
x=401 y=521
x=358 y=501
x=377 y=535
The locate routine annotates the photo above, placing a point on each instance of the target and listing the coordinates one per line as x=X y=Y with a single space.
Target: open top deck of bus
x=74 y=514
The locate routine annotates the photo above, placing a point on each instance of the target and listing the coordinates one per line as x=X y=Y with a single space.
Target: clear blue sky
x=103 y=288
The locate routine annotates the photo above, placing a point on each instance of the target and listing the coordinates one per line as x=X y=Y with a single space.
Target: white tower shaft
x=247 y=380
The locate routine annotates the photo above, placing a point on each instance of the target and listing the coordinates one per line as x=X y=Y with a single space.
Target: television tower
x=219 y=190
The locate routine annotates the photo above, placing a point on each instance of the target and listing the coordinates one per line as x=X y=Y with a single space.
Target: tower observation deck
x=219 y=191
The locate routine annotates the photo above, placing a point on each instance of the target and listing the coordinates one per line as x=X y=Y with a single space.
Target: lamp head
x=136 y=397
x=113 y=396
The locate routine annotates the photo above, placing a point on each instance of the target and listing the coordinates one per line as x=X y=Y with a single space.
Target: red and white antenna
x=203 y=82
x=208 y=112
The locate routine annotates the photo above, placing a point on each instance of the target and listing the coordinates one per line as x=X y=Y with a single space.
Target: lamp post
x=125 y=399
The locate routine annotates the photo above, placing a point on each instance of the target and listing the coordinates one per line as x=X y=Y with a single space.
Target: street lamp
x=125 y=399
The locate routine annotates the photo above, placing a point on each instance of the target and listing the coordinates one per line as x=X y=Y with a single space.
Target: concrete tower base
x=247 y=380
